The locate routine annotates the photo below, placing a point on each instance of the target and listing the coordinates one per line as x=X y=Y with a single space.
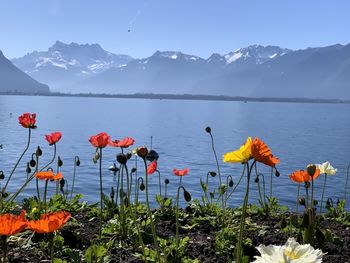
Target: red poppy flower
x=48 y=175
x=12 y=224
x=181 y=172
x=262 y=153
x=49 y=223
x=302 y=176
x=27 y=120
x=125 y=143
x=100 y=140
x=53 y=137
x=152 y=167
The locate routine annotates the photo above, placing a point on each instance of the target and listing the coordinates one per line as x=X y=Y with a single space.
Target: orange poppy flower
x=302 y=176
x=125 y=143
x=27 y=120
x=181 y=172
x=262 y=153
x=100 y=140
x=49 y=223
x=53 y=137
x=152 y=167
x=48 y=175
x=12 y=224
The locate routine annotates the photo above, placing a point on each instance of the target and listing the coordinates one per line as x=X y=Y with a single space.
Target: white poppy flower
x=326 y=168
x=291 y=252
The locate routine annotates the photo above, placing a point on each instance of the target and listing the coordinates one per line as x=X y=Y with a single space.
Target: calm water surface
x=298 y=133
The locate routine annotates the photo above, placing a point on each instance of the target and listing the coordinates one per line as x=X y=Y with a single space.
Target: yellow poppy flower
x=240 y=156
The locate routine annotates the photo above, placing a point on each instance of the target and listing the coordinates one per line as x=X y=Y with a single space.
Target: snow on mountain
x=63 y=64
x=255 y=54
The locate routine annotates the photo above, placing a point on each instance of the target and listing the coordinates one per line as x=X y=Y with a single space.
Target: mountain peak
x=63 y=47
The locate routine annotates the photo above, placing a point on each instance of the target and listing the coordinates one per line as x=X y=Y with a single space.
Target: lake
x=298 y=133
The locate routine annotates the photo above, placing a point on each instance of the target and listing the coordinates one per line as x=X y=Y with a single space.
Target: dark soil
x=80 y=234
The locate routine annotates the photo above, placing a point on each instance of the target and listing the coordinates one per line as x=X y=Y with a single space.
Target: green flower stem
x=101 y=194
x=218 y=168
x=177 y=212
x=206 y=187
x=130 y=187
x=4 y=242
x=244 y=210
x=52 y=252
x=262 y=202
x=298 y=194
x=346 y=181
x=271 y=182
x=264 y=188
x=122 y=204
x=45 y=192
x=127 y=186
x=137 y=190
x=324 y=186
x=73 y=180
x=160 y=183
x=52 y=160
x=20 y=158
x=13 y=197
x=307 y=198
x=150 y=213
x=118 y=183
x=37 y=180
x=239 y=181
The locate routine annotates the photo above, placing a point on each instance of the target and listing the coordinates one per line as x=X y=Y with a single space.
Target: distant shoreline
x=184 y=97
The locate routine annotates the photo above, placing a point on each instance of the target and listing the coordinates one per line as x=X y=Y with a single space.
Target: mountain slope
x=13 y=80
x=63 y=64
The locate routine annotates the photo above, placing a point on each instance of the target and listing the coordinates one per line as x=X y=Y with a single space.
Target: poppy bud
x=122 y=158
x=112 y=193
x=94 y=160
x=311 y=169
x=166 y=181
x=329 y=202
x=133 y=170
x=211 y=195
x=212 y=174
x=187 y=196
x=62 y=183
x=256 y=179
x=38 y=152
x=142 y=186
x=32 y=162
x=97 y=155
x=307 y=184
x=28 y=170
x=208 y=129
x=77 y=162
x=277 y=173
x=142 y=152
x=302 y=201
x=2 y=176
x=230 y=183
x=128 y=155
x=59 y=162
x=152 y=156
x=315 y=202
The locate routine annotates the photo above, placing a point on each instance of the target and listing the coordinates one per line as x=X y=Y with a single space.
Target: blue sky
x=199 y=27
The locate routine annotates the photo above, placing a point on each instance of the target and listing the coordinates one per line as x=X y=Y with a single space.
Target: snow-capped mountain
x=253 y=71
x=253 y=55
x=13 y=80
x=63 y=64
